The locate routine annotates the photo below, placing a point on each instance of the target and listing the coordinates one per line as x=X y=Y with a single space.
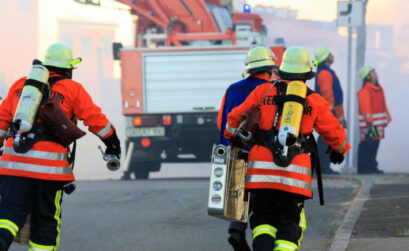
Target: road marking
x=344 y=232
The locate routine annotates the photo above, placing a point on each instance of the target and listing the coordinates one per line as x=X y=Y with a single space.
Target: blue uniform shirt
x=235 y=95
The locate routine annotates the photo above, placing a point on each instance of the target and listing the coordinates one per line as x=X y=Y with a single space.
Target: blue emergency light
x=246 y=8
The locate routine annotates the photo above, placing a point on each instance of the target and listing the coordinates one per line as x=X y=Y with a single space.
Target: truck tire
x=141 y=169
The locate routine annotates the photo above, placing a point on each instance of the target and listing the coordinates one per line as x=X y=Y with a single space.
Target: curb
x=344 y=232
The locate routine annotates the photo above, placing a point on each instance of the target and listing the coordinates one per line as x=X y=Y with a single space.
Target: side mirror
x=116 y=47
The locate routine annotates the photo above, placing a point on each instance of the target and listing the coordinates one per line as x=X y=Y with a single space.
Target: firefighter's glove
x=235 y=141
x=335 y=157
x=373 y=132
x=113 y=145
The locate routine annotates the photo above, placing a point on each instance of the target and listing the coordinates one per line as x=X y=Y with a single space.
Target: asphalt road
x=170 y=214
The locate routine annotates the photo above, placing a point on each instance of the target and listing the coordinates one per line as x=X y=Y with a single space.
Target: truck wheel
x=141 y=174
x=141 y=169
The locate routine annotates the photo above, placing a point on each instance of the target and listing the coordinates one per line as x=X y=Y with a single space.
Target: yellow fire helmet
x=259 y=57
x=321 y=54
x=364 y=71
x=296 y=64
x=60 y=55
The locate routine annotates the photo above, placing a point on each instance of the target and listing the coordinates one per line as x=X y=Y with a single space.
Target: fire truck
x=186 y=54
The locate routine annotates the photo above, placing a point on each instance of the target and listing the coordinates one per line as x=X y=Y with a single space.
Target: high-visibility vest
x=49 y=160
x=262 y=172
x=372 y=109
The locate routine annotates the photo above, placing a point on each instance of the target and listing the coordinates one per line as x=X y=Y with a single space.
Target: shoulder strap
x=54 y=80
x=309 y=91
x=269 y=89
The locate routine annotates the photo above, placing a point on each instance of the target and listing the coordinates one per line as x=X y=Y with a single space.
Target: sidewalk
x=378 y=218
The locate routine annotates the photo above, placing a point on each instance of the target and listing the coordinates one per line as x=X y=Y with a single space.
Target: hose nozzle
x=113 y=162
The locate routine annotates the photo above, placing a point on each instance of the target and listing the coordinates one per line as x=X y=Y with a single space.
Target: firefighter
x=328 y=86
x=32 y=182
x=279 y=190
x=373 y=118
x=260 y=66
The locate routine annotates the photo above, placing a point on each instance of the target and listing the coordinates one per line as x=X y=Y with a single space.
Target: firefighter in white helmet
x=34 y=172
x=374 y=117
x=260 y=68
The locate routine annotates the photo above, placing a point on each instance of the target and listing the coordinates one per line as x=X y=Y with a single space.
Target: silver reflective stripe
x=10 y=226
x=380 y=122
x=104 y=131
x=32 y=248
x=272 y=166
x=362 y=124
x=35 y=168
x=285 y=247
x=231 y=129
x=3 y=133
x=279 y=179
x=36 y=247
x=364 y=117
x=342 y=146
x=379 y=115
x=37 y=154
x=264 y=229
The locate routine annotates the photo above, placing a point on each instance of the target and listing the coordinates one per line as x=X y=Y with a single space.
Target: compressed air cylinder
x=30 y=98
x=292 y=113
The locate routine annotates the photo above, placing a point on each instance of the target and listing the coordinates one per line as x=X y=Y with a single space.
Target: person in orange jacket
x=32 y=179
x=328 y=86
x=373 y=118
x=260 y=66
x=280 y=186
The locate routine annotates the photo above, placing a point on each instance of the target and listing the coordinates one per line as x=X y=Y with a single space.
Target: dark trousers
x=281 y=210
x=21 y=196
x=324 y=158
x=367 y=151
x=238 y=226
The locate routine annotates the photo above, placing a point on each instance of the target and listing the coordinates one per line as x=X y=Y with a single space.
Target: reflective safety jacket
x=49 y=160
x=234 y=96
x=372 y=110
x=262 y=172
x=328 y=86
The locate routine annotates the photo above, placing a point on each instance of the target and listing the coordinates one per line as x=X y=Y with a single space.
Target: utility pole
x=359 y=63
x=352 y=14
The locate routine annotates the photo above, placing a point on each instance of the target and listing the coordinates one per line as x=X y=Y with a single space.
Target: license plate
x=145 y=132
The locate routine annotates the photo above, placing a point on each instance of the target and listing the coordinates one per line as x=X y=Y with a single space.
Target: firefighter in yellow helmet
x=328 y=86
x=260 y=68
x=279 y=176
x=34 y=172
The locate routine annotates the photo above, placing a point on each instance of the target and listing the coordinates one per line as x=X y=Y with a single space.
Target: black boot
x=238 y=241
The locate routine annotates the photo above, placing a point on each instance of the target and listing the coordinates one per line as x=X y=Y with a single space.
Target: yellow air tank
x=292 y=114
x=30 y=99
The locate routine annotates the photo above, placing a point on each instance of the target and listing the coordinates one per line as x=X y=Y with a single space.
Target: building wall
x=18 y=40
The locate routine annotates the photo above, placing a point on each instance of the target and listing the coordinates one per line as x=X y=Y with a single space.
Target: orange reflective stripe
x=35 y=168
x=278 y=179
x=267 y=165
x=35 y=161
x=37 y=154
x=34 y=175
x=278 y=186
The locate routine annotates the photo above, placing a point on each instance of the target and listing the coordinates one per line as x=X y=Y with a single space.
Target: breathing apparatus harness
x=296 y=145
